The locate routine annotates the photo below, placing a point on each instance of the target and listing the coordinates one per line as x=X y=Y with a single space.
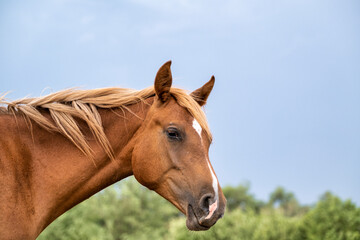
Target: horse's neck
x=55 y=175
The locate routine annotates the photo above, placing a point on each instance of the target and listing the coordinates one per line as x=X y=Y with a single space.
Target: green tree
x=286 y=202
x=239 y=197
x=88 y=220
x=123 y=211
x=130 y=211
x=241 y=225
x=331 y=219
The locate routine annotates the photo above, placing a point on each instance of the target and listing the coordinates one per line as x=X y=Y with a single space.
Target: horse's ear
x=200 y=95
x=163 y=82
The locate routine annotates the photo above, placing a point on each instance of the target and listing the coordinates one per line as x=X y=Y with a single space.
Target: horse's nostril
x=205 y=202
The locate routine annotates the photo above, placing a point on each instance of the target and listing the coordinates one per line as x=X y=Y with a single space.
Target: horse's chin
x=192 y=222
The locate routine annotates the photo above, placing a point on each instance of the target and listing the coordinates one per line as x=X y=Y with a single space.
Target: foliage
x=130 y=211
x=331 y=219
x=238 y=224
x=123 y=211
x=239 y=197
x=286 y=202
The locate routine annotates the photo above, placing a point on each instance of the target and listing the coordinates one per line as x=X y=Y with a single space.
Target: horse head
x=171 y=153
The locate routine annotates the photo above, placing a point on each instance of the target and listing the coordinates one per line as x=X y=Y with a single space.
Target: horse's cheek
x=146 y=164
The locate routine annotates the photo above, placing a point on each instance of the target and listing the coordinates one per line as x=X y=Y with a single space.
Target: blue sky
x=285 y=107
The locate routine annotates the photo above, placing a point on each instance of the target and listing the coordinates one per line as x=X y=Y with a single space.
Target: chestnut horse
x=58 y=150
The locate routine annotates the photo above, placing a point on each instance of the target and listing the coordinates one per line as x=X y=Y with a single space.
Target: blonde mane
x=64 y=105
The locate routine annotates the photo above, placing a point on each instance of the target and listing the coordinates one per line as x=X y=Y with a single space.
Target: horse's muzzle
x=205 y=215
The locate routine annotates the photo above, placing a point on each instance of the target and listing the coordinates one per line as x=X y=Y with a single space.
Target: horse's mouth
x=192 y=221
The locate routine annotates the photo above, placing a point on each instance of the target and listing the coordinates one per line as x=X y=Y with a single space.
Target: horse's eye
x=173 y=134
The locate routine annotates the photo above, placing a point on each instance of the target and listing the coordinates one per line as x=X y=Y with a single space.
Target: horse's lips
x=192 y=222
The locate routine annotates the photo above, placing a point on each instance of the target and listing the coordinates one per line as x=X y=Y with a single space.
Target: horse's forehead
x=174 y=111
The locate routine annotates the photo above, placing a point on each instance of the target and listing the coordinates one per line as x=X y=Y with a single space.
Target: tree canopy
x=129 y=211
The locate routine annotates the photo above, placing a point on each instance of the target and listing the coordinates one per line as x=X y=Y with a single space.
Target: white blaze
x=213 y=206
x=197 y=127
x=215 y=182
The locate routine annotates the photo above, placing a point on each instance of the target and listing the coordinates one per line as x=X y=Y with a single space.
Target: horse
x=60 y=149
